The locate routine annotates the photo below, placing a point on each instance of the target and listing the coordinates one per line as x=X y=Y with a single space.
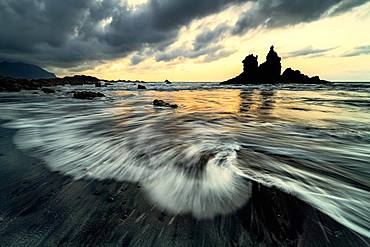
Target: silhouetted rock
x=141 y=87
x=295 y=76
x=80 y=79
x=158 y=102
x=87 y=95
x=269 y=72
x=250 y=67
x=47 y=90
x=167 y=82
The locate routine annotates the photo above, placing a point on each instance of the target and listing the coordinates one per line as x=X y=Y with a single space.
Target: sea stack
x=269 y=72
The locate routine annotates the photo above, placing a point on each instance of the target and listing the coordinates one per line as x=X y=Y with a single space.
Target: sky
x=186 y=40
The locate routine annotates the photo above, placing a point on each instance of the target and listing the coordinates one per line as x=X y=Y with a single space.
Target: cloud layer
x=82 y=33
x=357 y=51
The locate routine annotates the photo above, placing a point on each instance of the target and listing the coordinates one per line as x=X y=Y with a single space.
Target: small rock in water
x=47 y=90
x=167 y=82
x=141 y=86
x=158 y=102
x=87 y=95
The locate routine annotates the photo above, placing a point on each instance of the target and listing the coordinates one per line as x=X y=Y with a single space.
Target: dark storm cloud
x=278 y=13
x=67 y=33
x=308 y=51
x=187 y=53
x=72 y=33
x=210 y=36
x=357 y=51
x=272 y=14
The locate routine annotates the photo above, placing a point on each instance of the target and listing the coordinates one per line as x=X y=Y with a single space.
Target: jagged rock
x=162 y=103
x=269 y=72
x=250 y=67
x=141 y=86
x=47 y=90
x=87 y=95
x=295 y=76
x=167 y=82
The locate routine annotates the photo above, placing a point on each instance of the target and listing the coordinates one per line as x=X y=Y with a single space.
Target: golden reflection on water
x=192 y=101
x=315 y=108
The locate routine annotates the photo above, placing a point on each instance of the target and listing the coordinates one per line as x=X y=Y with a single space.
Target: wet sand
x=43 y=208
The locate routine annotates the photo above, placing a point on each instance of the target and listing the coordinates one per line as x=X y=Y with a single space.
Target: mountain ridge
x=20 y=70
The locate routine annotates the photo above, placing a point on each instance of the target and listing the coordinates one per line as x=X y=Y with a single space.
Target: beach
x=231 y=166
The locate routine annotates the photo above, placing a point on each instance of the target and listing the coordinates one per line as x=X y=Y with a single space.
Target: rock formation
x=294 y=76
x=87 y=95
x=48 y=90
x=269 y=72
x=158 y=102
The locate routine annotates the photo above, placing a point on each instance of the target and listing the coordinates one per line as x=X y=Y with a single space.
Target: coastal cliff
x=269 y=72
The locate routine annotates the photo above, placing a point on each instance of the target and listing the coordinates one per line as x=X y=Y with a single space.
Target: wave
x=188 y=165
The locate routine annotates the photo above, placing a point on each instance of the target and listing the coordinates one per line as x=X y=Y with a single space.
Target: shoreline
x=41 y=207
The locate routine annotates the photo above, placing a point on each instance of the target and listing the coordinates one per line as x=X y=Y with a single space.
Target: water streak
x=199 y=159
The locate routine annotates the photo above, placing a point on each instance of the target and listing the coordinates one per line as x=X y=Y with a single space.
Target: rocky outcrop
x=162 y=103
x=48 y=90
x=295 y=76
x=269 y=72
x=87 y=95
x=167 y=82
x=141 y=86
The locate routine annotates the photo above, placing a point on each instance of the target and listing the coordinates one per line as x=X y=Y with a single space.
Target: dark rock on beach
x=87 y=95
x=269 y=72
x=141 y=87
x=47 y=90
x=162 y=103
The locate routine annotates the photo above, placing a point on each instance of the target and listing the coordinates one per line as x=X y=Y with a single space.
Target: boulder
x=167 y=82
x=87 y=95
x=47 y=90
x=162 y=103
x=141 y=86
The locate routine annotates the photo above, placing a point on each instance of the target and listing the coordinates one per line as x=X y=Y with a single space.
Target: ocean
x=231 y=166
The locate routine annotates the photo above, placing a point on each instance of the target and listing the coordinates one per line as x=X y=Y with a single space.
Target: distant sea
x=106 y=170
